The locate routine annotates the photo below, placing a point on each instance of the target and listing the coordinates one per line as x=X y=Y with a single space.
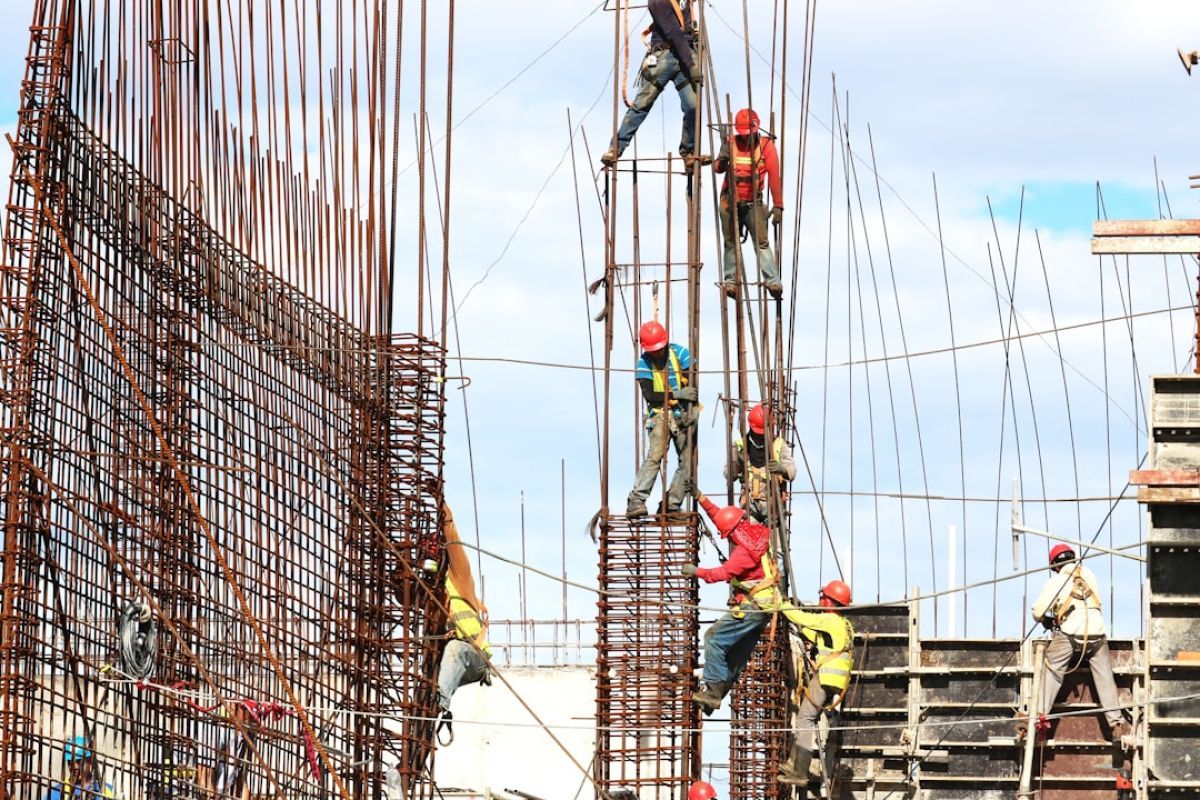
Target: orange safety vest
x=749 y=169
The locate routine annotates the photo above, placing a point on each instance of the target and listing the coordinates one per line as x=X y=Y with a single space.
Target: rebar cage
x=185 y=429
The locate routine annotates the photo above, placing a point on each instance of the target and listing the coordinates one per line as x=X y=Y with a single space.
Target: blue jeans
x=729 y=642
x=461 y=663
x=653 y=81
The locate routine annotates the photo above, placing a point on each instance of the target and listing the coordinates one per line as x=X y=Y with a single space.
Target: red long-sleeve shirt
x=769 y=164
x=750 y=542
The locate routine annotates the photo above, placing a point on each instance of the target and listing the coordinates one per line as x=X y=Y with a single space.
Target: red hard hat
x=837 y=591
x=653 y=336
x=757 y=419
x=727 y=518
x=701 y=791
x=746 y=122
x=1057 y=552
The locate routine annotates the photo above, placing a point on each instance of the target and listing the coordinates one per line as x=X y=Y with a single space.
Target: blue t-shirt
x=92 y=789
x=644 y=371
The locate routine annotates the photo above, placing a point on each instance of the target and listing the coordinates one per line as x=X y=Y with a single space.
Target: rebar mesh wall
x=758 y=739
x=647 y=736
x=185 y=428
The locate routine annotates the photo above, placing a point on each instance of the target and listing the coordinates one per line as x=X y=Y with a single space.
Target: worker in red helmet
x=754 y=578
x=755 y=466
x=701 y=790
x=753 y=160
x=1069 y=605
x=672 y=58
x=671 y=413
x=827 y=659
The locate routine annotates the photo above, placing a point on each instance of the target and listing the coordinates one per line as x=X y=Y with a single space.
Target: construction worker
x=828 y=658
x=672 y=59
x=670 y=414
x=755 y=466
x=701 y=790
x=751 y=572
x=754 y=161
x=83 y=779
x=1069 y=605
x=467 y=654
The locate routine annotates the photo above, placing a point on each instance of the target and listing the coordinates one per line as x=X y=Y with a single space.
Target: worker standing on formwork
x=466 y=658
x=670 y=415
x=753 y=575
x=756 y=467
x=828 y=659
x=753 y=160
x=672 y=58
x=1069 y=605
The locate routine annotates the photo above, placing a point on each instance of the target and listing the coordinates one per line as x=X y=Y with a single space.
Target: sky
x=997 y=101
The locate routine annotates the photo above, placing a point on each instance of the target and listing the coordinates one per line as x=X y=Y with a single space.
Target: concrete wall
x=498 y=745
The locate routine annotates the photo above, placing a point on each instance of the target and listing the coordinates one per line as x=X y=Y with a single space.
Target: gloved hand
x=775 y=467
x=697 y=75
x=1047 y=622
x=777 y=215
x=696 y=494
x=687 y=394
x=689 y=570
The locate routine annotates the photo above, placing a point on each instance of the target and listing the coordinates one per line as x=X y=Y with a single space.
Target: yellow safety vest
x=660 y=375
x=835 y=656
x=757 y=478
x=466 y=621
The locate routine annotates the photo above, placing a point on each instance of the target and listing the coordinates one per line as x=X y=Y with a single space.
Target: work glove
x=687 y=394
x=696 y=494
x=697 y=75
x=1047 y=623
x=777 y=215
x=775 y=467
x=689 y=570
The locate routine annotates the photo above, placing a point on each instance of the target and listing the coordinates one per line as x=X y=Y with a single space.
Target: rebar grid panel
x=647 y=736
x=759 y=740
x=185 y=428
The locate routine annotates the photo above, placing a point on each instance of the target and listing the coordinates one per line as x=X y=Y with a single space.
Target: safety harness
x=757 y=479
x=1081 y=596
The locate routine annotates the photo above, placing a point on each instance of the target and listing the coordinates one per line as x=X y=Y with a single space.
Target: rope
x=137 y=636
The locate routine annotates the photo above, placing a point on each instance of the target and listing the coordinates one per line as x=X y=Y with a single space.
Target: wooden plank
x=1164 y=477
x=1145 y=245
x=1169 y=494
x=1146 y=227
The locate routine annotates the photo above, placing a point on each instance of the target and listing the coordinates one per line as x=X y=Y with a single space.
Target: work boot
x=710 y=699
x=776 y=289
x=730 y=289
x=635 y=508
x=609 y=157
x=795 y=771
x=1119 y=730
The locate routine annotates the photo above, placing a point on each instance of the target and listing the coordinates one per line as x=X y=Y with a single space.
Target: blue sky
x=990 y=97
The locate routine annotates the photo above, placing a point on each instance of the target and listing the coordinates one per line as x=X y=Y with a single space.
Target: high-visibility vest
x=1081 y=597
x=93 y=789
x=835 y=659
x=466 y=622
x=757 y=478
x=749 y=169
x=660 y=376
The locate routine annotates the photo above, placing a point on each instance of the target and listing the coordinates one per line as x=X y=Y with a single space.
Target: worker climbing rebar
x=751 y=157
x=828 y=658
x=466 y=657
x=1069 y=605
x=671 y=411
x=671 y=57
x=755 y=466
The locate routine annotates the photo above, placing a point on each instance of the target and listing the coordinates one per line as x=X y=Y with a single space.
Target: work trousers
x=809 y=714
x=730 y=640
x=753 y=214
x=663 y=428
x=1064 y=652
x=462 y=663
x=653 y=81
